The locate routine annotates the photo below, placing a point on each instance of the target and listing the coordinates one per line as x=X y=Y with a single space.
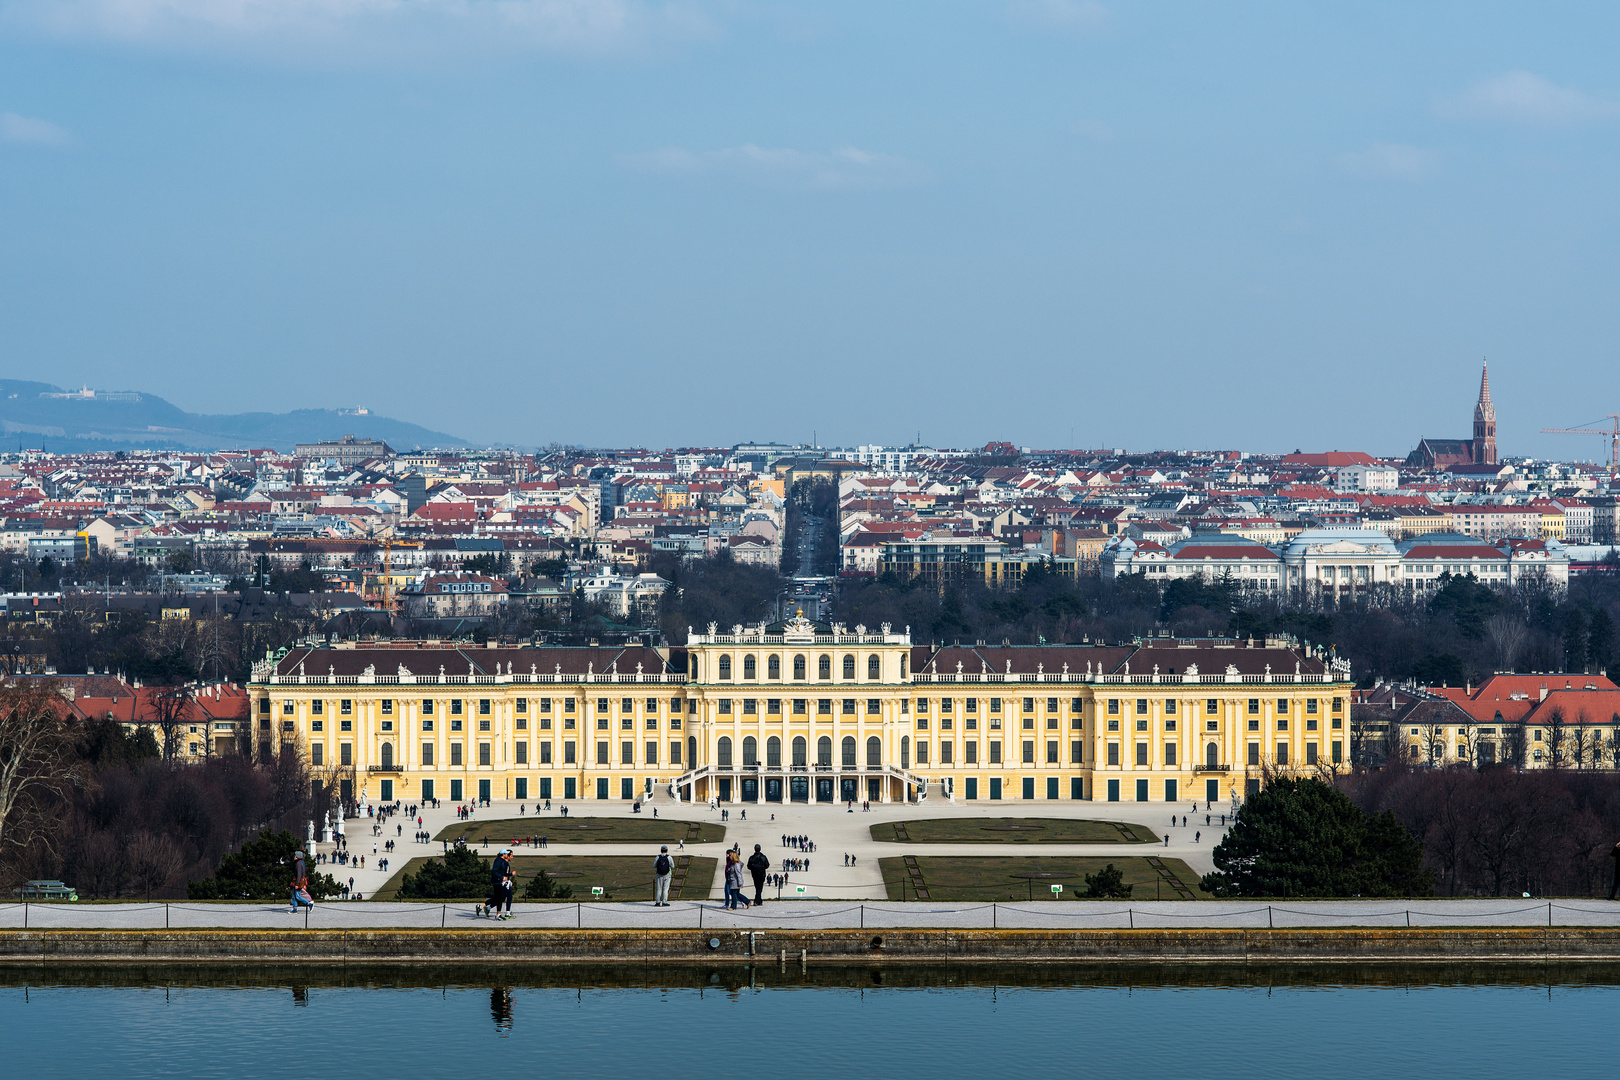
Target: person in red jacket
x=300 y=884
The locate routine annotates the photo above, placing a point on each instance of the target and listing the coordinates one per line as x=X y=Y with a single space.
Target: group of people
x=758 y=864
x=802 y=843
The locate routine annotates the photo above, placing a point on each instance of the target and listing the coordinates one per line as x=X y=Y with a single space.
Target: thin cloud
x=847 y=168
x=1392 y=161
x=1058 y=14
x=1521 y=97
x=365 y=30
x=26 y=131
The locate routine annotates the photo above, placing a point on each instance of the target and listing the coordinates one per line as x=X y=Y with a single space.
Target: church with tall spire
x=1484 y=421
x=1464 y=455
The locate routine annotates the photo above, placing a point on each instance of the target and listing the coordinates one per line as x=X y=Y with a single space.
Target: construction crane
x=1613 y=434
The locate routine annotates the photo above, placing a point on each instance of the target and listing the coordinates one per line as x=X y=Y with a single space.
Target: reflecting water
x=1167 y=1020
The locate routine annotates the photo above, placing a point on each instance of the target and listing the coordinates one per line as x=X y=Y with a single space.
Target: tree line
x=101 y=808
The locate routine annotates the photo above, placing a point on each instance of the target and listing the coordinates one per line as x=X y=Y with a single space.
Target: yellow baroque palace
x=805 y=712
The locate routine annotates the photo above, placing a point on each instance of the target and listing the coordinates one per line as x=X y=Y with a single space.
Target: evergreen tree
x=1107 y=884
x=1300 y=837
x=1575 y=640
x=461 y=876
x=261 y=870
x=545 y=887
x=1600 y=641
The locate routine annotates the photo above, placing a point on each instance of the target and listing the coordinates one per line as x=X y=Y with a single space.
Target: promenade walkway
x=824 y=915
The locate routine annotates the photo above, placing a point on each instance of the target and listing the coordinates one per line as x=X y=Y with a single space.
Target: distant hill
x=36 y=413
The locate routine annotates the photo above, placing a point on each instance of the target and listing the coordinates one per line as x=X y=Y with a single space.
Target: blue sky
x=1176 y=225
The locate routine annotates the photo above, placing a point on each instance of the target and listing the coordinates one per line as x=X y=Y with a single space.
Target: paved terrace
x=834 y=830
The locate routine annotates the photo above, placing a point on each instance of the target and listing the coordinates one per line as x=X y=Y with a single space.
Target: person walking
x=734 y=882
x=663 y=870
x=300 y=884
x=758 y=864
x=499 y=871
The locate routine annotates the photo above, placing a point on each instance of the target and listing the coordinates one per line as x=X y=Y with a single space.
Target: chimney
x=1543 y=696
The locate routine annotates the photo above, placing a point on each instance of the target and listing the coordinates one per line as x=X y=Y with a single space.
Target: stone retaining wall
x=1507 y=945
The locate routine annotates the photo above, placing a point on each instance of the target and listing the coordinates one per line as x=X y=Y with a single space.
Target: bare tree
x=1513 y=745
x=1578 y=740
x=1557 y=739
x=152 y=861
x=169 y=708
x=1507 y=633
x=1468 y=735
x=1434 y=741
x=37 y=762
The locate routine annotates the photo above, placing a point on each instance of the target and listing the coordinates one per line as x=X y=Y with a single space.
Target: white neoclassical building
x=1340 y=560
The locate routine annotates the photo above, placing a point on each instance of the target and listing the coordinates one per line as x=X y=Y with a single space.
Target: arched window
x=1212 y=755
x=849 y=667
x=773 y=753
x=750 y=751
x=798 y=667
x=773 y=668
x=691 y=752
x=798 y=751
x=905 y=751
x=722 y=752
x=824 y=751
x=387 y=755
x=824 y=669
x=848 y=747
x=750 y=670
x=695 y=669
x=725 y=667
x=903 y=659
x=874 y=753
x=874 y=667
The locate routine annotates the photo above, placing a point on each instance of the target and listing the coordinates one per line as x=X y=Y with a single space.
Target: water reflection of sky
x=1205 y=1031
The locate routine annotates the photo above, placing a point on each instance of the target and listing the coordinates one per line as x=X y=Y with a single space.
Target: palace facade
x=805 y=712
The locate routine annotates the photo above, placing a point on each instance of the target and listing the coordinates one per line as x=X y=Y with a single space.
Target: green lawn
x=641 y=829
x=622 y=877
x=1021 y=877
x=1013 y=831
